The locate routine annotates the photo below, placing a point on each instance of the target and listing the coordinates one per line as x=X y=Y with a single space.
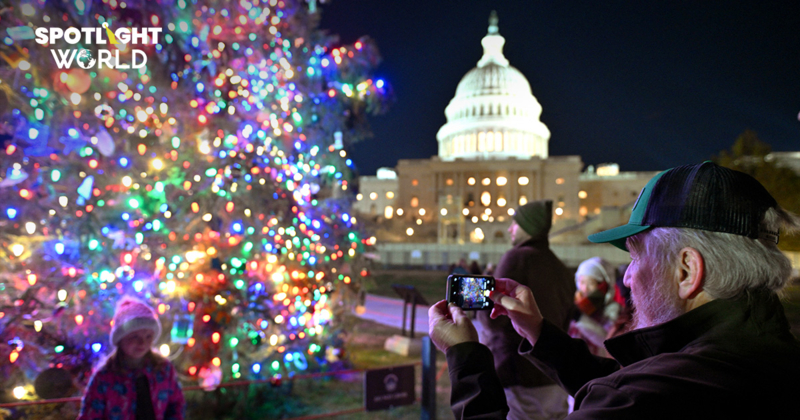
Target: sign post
x=428 y=379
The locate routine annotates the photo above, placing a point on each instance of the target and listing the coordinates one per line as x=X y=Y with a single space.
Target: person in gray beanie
x=530 y=394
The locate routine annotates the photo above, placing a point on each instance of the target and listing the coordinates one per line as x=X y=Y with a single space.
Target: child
x=133 y=383
x=595 y=299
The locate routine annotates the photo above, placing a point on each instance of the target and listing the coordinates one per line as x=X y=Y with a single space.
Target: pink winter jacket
x=111 y=394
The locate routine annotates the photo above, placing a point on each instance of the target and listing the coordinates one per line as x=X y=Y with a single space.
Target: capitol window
x=476 y=236
x=471 y=181
x=359 y=197
x=523 y=200
x=414 y=182
x=486 y=198
x=582 y=194
x=523 y=180
x=449 y=181
x=559 y=181
x=389 y=195
x=501 y=180
x=414 y=202
x=486 y=181
x=373 y=196
x=388 y=212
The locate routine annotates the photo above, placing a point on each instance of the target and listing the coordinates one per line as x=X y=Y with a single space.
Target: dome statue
x=493 y=115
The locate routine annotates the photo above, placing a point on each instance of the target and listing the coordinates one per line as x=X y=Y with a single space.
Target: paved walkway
x=389 y=311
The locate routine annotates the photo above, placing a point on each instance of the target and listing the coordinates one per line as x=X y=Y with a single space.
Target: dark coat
x=726 y=359
x=534 y=265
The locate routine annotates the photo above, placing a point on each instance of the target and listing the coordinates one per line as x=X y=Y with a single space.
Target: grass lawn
x=318 y=396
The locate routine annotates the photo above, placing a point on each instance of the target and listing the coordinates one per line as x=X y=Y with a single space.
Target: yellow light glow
x=19 y=392
x=193 y=256
x=486 y=198
x=164 y=350
x=158 y=164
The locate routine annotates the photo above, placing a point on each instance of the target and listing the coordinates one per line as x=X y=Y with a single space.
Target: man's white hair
x=733 y=263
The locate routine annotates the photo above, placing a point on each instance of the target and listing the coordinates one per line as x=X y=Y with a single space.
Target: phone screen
x=471 y=292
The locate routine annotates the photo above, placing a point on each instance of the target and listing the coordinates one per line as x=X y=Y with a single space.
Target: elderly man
x=711 y=337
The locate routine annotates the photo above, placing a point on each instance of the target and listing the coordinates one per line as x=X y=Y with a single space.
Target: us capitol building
x=493 y=156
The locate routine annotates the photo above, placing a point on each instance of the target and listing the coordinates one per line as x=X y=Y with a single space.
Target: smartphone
x=470 y=293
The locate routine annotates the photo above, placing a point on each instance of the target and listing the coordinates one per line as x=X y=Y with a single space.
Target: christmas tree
x=188 y=153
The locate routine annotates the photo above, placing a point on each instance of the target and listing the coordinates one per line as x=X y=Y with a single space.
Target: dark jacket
x=534 y=265
x=726 y=359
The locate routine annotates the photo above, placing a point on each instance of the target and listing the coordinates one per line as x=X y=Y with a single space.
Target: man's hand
x=449 y=325
x=516 y=301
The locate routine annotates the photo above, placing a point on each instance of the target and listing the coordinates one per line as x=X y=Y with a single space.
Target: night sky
x=649 y=85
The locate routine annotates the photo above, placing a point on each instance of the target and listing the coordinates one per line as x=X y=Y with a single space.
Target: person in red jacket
x=133 y=383
x=711 y=338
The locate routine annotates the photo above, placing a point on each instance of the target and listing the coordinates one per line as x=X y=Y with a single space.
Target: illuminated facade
x=493 y=156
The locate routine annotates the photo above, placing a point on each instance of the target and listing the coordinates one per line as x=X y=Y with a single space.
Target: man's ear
x=691 y=269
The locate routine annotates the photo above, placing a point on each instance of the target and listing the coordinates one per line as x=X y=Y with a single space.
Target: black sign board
x=390 y=387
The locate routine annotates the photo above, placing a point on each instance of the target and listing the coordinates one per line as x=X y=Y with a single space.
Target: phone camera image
x=471 y=292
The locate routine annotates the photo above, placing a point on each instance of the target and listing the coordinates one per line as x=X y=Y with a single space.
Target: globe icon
x=85 y=59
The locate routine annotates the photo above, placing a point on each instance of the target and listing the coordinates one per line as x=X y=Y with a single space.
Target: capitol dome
x=494 y=115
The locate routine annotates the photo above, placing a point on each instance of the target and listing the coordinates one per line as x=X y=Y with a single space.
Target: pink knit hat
x=133 y=315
